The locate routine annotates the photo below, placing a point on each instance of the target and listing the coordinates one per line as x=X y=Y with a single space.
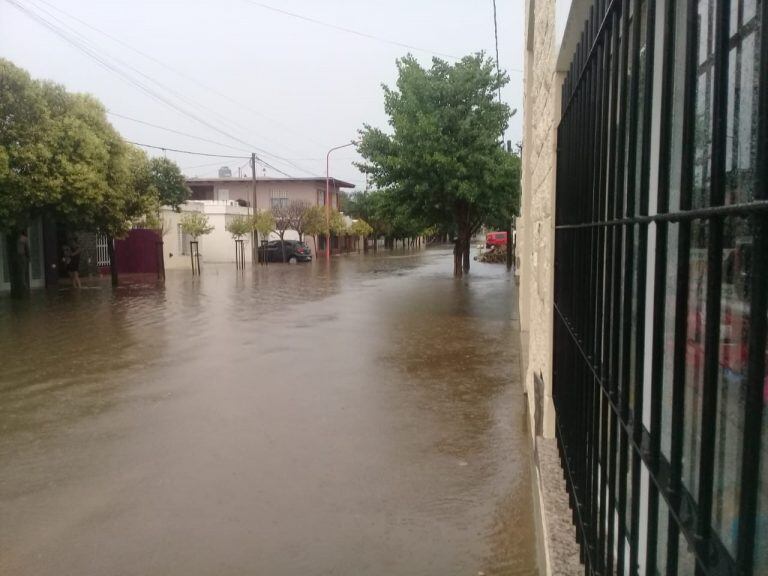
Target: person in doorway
x=73 y=266
x=22 y=254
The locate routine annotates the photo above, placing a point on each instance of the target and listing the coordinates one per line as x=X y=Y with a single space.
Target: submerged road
x=360 y=418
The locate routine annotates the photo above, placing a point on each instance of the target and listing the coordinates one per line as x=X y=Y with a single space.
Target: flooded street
x=365 y=418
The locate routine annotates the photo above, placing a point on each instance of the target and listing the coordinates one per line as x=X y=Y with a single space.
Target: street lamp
x=328 y=197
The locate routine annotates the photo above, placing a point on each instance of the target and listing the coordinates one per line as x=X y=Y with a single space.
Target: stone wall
x=536 y=223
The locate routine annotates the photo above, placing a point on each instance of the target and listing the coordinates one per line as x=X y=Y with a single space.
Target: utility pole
x=328 y=196
x=254 y=233
x=510 y=255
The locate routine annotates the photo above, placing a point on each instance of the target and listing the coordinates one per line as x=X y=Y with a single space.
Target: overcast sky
x=253 y=78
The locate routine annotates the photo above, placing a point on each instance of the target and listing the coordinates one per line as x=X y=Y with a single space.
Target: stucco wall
x=311 y=192
x=218 y=246
x=535 y=226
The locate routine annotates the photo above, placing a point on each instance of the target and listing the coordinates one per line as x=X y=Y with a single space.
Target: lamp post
x=328 y=197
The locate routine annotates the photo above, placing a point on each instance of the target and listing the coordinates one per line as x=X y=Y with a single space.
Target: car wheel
x=292 y=260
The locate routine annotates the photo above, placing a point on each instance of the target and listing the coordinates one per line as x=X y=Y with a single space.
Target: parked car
x=295 y=251
x=495 y=239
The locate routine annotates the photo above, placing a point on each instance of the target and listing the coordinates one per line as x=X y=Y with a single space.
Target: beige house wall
x=232 y=189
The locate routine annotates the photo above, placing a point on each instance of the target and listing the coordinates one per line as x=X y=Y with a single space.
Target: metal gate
x=661 y=281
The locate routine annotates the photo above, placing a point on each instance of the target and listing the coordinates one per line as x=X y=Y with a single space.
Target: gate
x=661 y=281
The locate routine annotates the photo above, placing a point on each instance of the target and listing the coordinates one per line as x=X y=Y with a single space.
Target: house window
x=201 y=192
x=278 y=198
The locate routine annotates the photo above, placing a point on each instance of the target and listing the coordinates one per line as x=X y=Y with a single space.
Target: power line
x=359 y=33
x=82 y=45
x=166 y=149
x=192 y=153
x=350 y=30
x=116 y=70
x=172 y=130
x=181 y=74
x=496 y=38
x=91 y=49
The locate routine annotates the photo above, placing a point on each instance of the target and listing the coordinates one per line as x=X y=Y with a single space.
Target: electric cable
x=92 y=52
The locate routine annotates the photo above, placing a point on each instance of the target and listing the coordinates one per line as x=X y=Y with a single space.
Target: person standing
x=22 y=258
x=73 y=267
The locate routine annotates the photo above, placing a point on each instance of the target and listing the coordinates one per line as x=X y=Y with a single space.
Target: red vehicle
x=495 y=239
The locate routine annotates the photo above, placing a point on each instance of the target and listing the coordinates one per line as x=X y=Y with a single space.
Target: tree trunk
x=465 y=252
x=18 y=266
x=457 y=252
x=282 y=245
x=112 y=260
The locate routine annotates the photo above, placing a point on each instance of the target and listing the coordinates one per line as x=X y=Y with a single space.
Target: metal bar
x=714 y=279
x=743 y=209
x=675 y=490
x=603 y=303
x=576 y=81
x=620 y=337
x=660 y=277
x=686 y=520
x=753 y=406
x=612 y=320
x=642 y=256
x=756 y=368
x=596 y=225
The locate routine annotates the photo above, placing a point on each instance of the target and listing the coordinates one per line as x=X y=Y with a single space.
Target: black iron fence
x=661 y=282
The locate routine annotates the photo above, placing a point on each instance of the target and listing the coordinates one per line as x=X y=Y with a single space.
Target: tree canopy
x=442 y=163
x=195 y=224
x=263 y=222
x=239 y=226
x=169 y=182
x=60 y=156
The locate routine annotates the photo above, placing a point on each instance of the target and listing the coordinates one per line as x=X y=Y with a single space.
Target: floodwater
x=360 y=418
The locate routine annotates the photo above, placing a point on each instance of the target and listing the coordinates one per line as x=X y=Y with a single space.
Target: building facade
x=643 y=244
x=268 y=191
x=223 y=199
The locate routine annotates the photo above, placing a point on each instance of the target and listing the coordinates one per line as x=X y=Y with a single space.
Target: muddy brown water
x=359 y=418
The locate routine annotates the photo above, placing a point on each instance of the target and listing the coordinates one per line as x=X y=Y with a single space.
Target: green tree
x=263 y=222
x=507 y=205
x=336 y=223
x=239 y=226
x=314 y=223
x=360 y=227
x=169 y=182
x=60 y=157
x=195 y=224
x=442 y=161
